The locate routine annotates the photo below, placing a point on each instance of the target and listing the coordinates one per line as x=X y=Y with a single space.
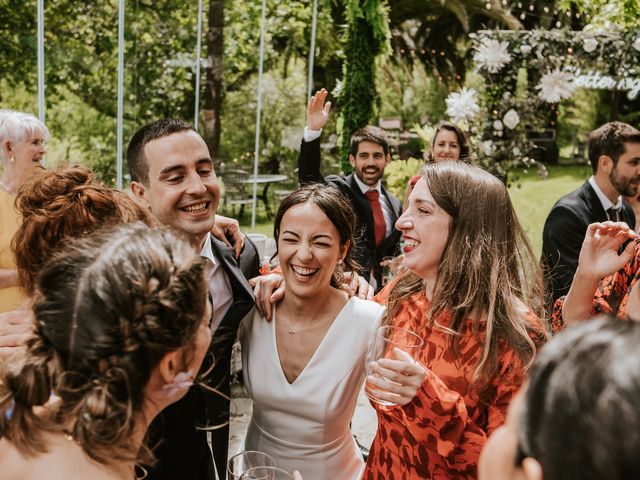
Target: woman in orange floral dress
x=472 y=292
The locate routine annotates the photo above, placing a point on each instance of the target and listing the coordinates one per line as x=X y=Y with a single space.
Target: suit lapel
x=594 y=204
x=228 y=262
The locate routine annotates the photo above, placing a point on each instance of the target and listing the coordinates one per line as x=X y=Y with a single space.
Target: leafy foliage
x=366 y=38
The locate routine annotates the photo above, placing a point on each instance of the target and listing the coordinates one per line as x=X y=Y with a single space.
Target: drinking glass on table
x=266 y=473
x=245 y=461
x=385 y=341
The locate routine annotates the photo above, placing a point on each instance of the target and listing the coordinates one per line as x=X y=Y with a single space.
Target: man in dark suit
x=376 y=209
x=172 y=174
x=614 y=153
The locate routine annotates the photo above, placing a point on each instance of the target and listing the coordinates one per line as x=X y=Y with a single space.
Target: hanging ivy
x=367 y=38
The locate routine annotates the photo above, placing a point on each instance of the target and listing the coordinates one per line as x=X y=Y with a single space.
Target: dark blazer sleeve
x=309 y=163
x=562 y=239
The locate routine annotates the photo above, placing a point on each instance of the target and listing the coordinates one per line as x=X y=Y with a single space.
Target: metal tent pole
x=198 y=55
x=120 y=93
x=312 y=48
x=258 y=115
x=40 y=41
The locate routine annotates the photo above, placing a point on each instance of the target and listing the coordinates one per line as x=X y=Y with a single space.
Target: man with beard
x=376 y=209
x=614 y=153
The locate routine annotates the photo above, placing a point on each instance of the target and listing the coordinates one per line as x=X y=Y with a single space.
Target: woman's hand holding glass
x=396 y=380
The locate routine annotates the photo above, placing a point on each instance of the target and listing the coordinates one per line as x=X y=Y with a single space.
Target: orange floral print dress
x=612 y=294
x=440 y=434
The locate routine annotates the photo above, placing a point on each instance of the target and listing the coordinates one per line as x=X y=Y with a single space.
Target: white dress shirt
x=219 y=285
x=604 y=200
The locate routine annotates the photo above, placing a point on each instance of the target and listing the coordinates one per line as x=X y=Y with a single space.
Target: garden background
x=394 y=62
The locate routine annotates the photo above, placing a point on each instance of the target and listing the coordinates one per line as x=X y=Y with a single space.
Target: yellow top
x=10 y=298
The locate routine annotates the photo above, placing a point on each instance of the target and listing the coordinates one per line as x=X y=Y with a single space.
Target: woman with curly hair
x=56 y=206
x=122 y=326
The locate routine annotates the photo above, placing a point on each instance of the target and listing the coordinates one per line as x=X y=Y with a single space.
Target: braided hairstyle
x=107 y=310
x=60 y=204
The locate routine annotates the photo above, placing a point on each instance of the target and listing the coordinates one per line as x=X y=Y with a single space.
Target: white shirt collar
x=604 y=200
x=365 y=188
x=207 y=250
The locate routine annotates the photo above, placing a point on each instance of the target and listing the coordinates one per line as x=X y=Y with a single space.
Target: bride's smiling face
x=308 y=249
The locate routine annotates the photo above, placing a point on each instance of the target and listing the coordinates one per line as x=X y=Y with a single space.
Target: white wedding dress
x=304 y=425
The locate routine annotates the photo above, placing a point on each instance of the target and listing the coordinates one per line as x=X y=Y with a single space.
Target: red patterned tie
x=378 y=218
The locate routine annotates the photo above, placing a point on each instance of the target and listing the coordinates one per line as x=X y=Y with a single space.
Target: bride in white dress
x=304 y=369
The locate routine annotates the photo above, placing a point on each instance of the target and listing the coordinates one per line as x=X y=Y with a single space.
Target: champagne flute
x=247 y=460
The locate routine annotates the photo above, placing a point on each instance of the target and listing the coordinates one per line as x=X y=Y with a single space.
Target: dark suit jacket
x=564 y=232
x=183 y=451
x=367 y=254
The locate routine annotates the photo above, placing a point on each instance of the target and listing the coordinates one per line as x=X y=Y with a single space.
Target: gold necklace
x=294 y=332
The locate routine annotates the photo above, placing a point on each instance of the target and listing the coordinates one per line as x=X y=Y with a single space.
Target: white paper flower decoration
x=636 y=44
x=555 y=86
x=525 y=49
x=462 y=105
x=497 y=125
x=589 y=44
x=492 y=55
x=516 y=151
x=487 y=147
x=511 y=119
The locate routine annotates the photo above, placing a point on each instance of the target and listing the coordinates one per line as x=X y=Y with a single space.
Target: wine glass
x=266 y=473
x=385 y=341
x=247 y=460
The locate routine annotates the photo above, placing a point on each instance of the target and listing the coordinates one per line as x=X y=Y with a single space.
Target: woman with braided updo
x=56 y=206
x=122 y=326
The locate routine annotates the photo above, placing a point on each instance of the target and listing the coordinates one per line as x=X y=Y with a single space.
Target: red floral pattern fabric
x=440 y=434
x=612 y=294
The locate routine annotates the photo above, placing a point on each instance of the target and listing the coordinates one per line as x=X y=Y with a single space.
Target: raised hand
x=599 y=253
x=318 y=110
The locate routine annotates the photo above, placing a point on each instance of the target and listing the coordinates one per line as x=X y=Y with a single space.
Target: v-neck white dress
x=304 y=425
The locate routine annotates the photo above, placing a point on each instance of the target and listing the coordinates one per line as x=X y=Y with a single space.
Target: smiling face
x=625 y=175
x=27 y=153
x=369 y=162
x=446 y=146
x=182 y=190
x=425 y=231
x=308 y=249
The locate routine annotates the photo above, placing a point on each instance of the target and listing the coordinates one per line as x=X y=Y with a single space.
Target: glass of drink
x=245 y=461
x=266 y=473
x=385 y=341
